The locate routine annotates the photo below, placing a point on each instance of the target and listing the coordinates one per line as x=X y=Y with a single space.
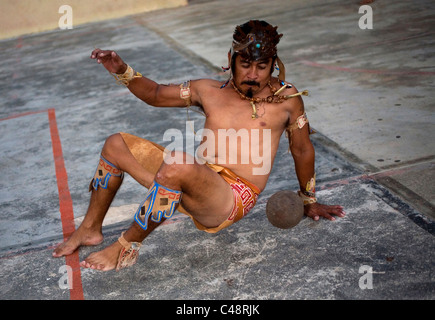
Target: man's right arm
x=143 y=88
x=155 y=94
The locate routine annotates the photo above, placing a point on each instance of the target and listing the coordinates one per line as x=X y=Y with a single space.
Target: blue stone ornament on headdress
x=256 y=40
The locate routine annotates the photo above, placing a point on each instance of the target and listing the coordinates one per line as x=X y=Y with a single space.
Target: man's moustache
x=251 y=83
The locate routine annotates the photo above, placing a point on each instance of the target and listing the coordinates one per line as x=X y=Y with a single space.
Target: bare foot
x=103 y=260
x=81 y=237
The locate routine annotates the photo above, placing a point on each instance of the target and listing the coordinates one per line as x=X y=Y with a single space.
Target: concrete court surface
x=371 y=102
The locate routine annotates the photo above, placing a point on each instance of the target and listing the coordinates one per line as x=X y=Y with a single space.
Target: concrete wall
x=18 y=17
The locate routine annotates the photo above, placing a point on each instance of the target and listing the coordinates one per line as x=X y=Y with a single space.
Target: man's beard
x=249 y=93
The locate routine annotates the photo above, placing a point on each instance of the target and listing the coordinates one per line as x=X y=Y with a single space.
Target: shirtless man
x=209 y=191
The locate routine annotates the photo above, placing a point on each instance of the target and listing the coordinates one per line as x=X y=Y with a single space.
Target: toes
x=55 y=254
x=91 y=263
x=61 y=251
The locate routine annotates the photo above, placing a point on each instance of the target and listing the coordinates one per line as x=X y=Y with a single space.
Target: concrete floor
x=371 y=101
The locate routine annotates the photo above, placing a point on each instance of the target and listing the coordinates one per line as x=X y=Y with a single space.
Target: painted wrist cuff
x=126 y=77
x=307 y=199
x=310 y=194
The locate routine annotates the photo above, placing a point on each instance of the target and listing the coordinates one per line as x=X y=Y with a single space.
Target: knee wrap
x=104 y=171
x=160 y=202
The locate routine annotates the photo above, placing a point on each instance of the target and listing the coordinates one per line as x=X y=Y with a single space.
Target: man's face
x=251 y=76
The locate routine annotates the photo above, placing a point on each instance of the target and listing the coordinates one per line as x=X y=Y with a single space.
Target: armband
x=185 y=93
x=126 y=77
x=300 y=122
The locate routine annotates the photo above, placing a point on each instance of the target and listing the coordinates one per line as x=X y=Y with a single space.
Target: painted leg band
x=160 y=202
x=105 y=170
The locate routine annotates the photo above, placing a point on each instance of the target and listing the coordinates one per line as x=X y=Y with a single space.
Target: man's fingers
x=94 y=53
x=317 y=210
x=102 y=54
x=327 y=216
x=105 y=56
x=337 y=210
x=312 y=215
x=316 y=216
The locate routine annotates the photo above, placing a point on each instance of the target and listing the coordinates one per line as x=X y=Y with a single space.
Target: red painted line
x=22 y=114
x=373 y=71
x=65 y=207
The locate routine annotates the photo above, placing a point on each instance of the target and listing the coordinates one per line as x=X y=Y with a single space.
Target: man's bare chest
x=237 y=113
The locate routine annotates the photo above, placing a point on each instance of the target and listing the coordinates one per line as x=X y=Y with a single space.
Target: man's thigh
x=207 y=197
x=145 y=158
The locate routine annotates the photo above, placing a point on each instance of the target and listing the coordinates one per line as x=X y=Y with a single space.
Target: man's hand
x=110 y=60
x=317 y=210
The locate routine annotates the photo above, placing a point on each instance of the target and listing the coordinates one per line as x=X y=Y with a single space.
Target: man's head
x=255 y=40
x=253 y=55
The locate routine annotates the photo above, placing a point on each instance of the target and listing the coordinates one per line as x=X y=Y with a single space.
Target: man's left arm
x=303 y=154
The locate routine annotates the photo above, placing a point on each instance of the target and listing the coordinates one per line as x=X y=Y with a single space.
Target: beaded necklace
x=273 y=98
